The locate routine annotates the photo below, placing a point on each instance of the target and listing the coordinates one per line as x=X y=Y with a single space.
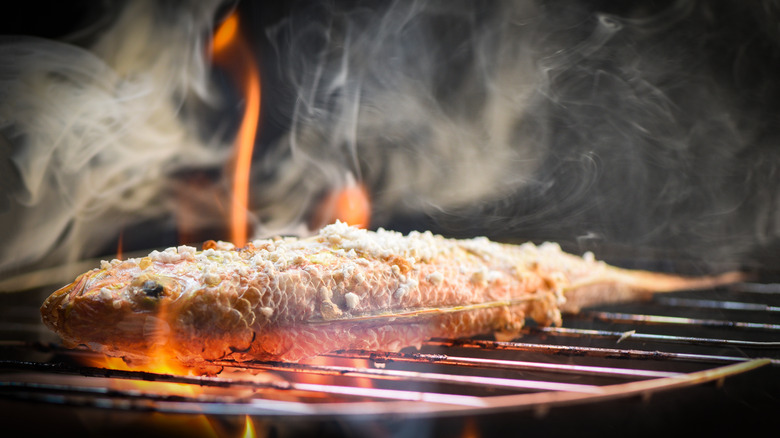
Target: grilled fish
x=345 y=288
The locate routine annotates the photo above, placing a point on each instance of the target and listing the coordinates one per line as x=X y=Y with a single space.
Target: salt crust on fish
x=345 y=288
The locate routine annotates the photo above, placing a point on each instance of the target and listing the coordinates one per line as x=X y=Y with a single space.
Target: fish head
x=121 y=308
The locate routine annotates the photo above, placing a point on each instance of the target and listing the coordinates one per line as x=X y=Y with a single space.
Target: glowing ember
x=234 y=54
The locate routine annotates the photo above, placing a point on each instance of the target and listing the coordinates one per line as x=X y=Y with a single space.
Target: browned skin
x=298 y=309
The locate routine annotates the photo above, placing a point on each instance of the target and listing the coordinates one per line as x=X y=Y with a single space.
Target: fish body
x=345 y=288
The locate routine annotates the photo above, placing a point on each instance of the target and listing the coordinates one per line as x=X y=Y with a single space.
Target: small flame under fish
x=345 y=288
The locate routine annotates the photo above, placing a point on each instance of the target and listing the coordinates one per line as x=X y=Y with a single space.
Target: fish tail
x=620 y=285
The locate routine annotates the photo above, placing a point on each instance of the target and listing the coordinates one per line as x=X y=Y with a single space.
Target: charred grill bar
x=609 y=357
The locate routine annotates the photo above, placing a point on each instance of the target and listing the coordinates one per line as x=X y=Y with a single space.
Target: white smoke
x=646 y=126
x=374 y=95
x=94 y=132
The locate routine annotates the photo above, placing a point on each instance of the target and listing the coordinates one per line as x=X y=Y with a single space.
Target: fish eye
x=152 y=288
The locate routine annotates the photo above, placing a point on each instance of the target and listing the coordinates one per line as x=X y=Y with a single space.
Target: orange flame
x=162 y=362
x=225 y=34
x=350 y=204
x=158 y=359
x=233 y=53
x=249 y=428
x=120 y=246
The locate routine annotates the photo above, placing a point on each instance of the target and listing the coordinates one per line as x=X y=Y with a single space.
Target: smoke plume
x=650 y=127
x=91 y=132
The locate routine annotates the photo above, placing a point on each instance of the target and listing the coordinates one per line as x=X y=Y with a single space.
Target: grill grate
x=448 y=375
x=601 y=354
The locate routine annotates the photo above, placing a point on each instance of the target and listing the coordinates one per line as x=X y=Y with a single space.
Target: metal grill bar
x=413 y=376
x=614 y=317
x=59 y=390
x=226 y=383
x=464 y=361
x=633 y=335
x=589 y=351
x=715 y=304
x=758 y=288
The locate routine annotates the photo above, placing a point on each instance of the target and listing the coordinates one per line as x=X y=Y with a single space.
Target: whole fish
x=345 y=288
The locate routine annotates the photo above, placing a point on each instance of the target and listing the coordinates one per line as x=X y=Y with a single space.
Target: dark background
x=714 y=201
